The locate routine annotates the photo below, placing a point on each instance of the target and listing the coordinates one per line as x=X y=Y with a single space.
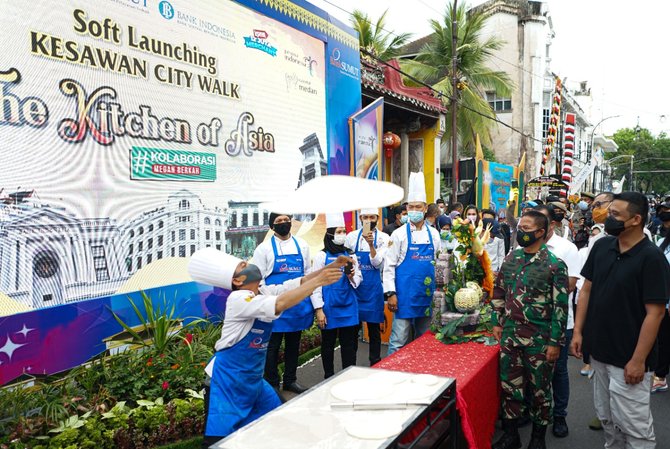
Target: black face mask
x=282 y=229
x=559 y=217
x=613 y=226
x=664 y=216
x=524 y=238
x=251 y=273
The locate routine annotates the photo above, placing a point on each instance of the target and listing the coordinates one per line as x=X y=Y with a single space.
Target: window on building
x=218 y=235
x=159 y=256
x=150 y=243
x=182 y=234
x=208 y=234
x=192 y=234
x=132 y=233
x=130 y=249
x=245 y=220
x=192 y=249
x=182 y=250
x=140 y=246
x=218 y=247
x=172 y=236
x=208 y=221
x=184 y=219
x=217 y=222
x=151 y=227
x=160 y=224
x=497 y=103
x=172 y=252
x=160 y=240
x=129 y=264
x=255 y=218
x=149 y=258
x=184 y=204
x=139 y=263
x=545 y=122
x=140 y=231
x=100 y=263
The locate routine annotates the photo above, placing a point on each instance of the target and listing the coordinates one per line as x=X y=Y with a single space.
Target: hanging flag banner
x=365 y=130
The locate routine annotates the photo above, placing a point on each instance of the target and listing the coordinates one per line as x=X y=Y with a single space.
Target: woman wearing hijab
x=337 y=304
x=495 y=247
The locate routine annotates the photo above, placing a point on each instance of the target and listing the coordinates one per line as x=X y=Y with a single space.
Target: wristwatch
x=387 y=295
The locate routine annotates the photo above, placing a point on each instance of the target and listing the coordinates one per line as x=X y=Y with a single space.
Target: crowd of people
x=590 y=278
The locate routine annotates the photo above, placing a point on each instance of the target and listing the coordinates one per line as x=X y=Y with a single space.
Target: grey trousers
x=623 y=409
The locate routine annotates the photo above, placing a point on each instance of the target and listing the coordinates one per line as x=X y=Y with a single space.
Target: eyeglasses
x=597 y=204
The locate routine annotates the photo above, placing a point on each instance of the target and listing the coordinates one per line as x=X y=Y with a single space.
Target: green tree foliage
x=433 y=66
x=374 y=37
x=652 y=153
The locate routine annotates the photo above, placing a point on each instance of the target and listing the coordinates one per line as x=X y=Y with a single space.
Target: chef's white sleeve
x=318 y=262
x=391 y=261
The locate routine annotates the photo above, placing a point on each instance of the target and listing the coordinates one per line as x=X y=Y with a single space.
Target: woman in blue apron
x=370 y=249
x=290 y=325
x=238 y=394
x=338 y=315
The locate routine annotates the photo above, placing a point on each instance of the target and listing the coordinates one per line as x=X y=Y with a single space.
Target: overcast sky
x=620 y=48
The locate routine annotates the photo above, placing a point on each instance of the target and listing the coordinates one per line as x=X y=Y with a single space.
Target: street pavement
x=580 y=409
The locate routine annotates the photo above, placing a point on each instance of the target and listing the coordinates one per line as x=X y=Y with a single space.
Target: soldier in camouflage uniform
x=530 y=306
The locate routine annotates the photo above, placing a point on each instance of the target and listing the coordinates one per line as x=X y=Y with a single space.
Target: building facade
x=246 y=229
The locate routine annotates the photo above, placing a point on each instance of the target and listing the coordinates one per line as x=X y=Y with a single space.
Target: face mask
x=441 y=210
x=525 y=239
x=599 y=215
x=339 y=239
x=560 y=217
x=282 y=229
x=614 y=227
x=403 y=219
x=445 y=235
x=664 y=216
x=415 y=216
x=472 y=218
x=251 y=273
x=583 y=205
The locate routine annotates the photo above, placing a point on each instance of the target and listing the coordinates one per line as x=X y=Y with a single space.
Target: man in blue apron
x=370 y=248
x=280 y=258
x=409 y=269
x=238 y=394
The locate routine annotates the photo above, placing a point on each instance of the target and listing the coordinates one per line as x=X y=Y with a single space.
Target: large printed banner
x=134 y=132
x=365 y=128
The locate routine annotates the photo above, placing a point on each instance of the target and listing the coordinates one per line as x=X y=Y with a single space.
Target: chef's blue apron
x=287 y=267
x=339 y=301
x=415 y=278
x=238 y=393
x=370 y=292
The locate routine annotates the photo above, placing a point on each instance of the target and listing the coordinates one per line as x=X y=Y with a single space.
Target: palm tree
x=433 y=65
x=374 y=38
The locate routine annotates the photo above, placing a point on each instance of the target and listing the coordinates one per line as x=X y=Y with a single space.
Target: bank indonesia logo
x=166 y=10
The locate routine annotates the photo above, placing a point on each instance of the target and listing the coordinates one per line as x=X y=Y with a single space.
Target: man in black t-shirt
x=621 y=305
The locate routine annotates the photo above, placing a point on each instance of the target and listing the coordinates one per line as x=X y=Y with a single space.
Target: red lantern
x=390 y=142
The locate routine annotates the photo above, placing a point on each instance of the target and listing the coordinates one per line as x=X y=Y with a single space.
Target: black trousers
x=291 y=349
x=663 y=366
x=348 y=337
x=375 y=337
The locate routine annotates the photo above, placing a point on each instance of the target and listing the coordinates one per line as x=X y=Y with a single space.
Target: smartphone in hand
x=348 y=268
x=366 y=228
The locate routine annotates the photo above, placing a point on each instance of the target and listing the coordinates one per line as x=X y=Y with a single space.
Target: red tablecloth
x=475 y=368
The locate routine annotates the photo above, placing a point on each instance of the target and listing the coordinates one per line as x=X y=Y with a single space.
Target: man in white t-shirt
x=569 y=254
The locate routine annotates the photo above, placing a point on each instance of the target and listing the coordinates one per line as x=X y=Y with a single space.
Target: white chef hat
x=417 y=188
x=335 y=220
x=370 y=211
x=212 y=267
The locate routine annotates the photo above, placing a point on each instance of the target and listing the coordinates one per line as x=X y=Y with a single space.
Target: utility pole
x=454 y=97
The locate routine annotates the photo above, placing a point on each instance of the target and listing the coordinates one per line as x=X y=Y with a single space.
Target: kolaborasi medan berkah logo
x=259 y=42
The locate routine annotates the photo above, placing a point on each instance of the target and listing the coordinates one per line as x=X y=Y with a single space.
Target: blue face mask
x=583 y=205
x=403 y=219
x=415 y=216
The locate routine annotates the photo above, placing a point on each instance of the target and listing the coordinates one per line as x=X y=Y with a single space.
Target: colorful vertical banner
x=365 y=133
x=568 y=147
x=552 y=132
x=494 y=182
